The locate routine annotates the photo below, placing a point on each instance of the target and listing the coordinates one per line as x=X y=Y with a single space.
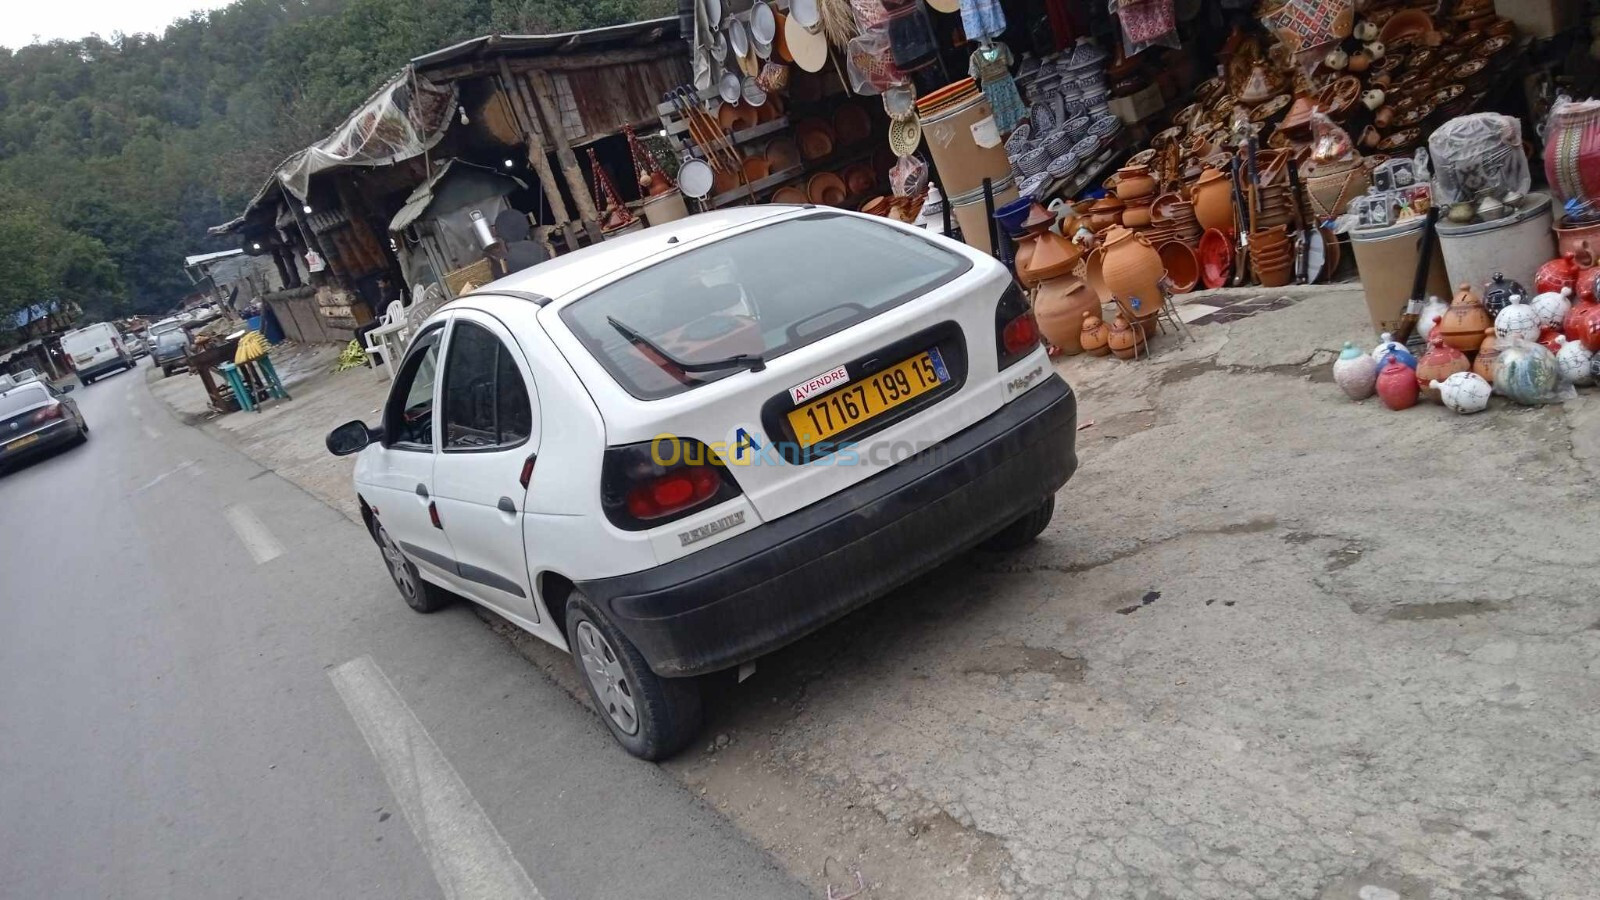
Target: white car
x=678 y=450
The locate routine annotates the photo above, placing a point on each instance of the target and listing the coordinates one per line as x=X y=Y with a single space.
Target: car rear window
x=763 y=292
x=19 y=399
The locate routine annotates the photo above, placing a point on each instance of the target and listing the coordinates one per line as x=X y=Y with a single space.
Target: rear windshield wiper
x=753 y=362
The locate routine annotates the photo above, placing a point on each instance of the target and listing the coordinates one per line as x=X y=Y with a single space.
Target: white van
x=96 y=350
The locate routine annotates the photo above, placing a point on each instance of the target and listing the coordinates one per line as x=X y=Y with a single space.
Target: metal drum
x=973 y=218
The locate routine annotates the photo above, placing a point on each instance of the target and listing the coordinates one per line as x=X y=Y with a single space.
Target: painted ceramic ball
x=1390 y=347
x=1574 y=362
x=1552 y=307
x=1525 y=372
x=1497 y=293
x=1518 y=318
x=1464 y=392
x=1355 y=373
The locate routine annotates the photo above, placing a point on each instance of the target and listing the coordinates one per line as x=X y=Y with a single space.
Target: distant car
x=36 y=418
x=96 y=351
x=135 y=344
x=171 y=350
x=679 y=450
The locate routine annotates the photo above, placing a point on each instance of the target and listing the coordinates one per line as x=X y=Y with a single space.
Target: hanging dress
x=982 y=19
x=991 y=68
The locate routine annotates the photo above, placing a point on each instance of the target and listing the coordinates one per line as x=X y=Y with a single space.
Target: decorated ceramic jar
x=1548 y=339
x=1583 y=324
x=1497 y=293
x=1463 y=392
x=1397 y=385
x=1094 y=336
x=1552 y=307
x=1059 y=306
x=1518 y=318
x=1525 y=372
x=1440 y=362
x=1488 y=352
x=1574 y=362
x=1554 y=275
x=1388 y=347
x=1355 y=372
x=1462 y=327
x=1124 y=339
x=1433 y=310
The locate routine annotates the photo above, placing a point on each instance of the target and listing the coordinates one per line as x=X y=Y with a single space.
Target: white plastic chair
x=387 y=341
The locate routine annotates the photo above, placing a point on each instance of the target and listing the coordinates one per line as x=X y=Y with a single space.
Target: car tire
x=666 y=713
x=166 y=371
x=1024 y=530
x=418 y=594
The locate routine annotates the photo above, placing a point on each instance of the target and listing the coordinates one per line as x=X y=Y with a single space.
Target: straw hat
x=945 y=6
x=808 y=46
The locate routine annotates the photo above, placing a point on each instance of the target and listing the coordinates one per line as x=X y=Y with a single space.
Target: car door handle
x=506 y=506
x=422 y=490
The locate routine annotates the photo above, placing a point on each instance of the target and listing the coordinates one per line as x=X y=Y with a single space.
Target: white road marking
x=151 y=433
x=186 y=464
x=469 y=857
x=253 y=533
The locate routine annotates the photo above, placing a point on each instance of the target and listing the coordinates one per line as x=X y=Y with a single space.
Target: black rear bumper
x=753 y=593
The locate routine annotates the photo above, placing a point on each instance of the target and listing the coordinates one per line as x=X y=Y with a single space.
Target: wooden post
x=522 y=108
x=544 y=92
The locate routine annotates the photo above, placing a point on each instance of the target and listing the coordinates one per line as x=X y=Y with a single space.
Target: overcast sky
x=25 y=21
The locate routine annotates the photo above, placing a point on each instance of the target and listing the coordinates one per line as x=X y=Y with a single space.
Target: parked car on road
x=35 y=418
x=170 y=349
x=136 y=344
x=681 y=449
x=96 y=351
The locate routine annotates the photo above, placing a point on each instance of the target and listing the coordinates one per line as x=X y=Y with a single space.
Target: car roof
x=563 y=275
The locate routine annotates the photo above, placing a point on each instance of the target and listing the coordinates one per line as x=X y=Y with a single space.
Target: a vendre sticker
x=814 y=386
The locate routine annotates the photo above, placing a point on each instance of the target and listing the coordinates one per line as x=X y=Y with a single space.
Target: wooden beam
x=545 y=93
x=553 y=62
x=522 y=107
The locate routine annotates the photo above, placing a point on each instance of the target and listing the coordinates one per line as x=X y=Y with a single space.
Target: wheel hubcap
x=398 y=570
x=606 y=677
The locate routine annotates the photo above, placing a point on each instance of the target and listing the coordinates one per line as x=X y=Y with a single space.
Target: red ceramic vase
x=1440 y=362
x=1556 y=274
x=1397 y=385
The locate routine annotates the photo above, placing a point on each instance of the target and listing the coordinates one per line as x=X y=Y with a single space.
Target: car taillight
x=53 y=411
x=649 y=484
x=1016 y=333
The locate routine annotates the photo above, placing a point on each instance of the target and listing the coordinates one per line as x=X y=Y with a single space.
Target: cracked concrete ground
x=1275 y=644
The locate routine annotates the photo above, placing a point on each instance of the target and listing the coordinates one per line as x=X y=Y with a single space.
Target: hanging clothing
x=990 y=66
x=982 y=19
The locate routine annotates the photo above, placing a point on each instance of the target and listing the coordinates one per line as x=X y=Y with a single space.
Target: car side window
x=408 y=416
x=485 y=398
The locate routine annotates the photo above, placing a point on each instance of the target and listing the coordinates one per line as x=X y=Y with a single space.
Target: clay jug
x=1488 y=352
x=1124 y=340
x=1462 y=327
x=1094 y=336
x=1213 y=203
x=1059 y=307
x=1135 y=182
x=1132 y=268
x=1397 y=385
x=1440 y=362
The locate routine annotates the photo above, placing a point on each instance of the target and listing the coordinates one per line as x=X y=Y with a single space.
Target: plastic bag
x=869 y=59
x=909 y=176
x=1478 y=155
x=1146 y=24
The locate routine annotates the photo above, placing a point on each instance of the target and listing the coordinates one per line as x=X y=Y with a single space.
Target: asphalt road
x=208 y=688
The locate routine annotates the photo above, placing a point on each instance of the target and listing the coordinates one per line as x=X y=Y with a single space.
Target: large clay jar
x=1094 y=336
x=1462 y=327
x=1059 y=306
x=1124 y=339
x=1397 y=385
x=1213 y=201
x=1132 y=268
x=1488 y=352
x=1135 y=182
x=1440 y=362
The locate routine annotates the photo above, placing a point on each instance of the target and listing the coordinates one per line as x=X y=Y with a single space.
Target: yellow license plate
x=846 y=407
x=21 y=442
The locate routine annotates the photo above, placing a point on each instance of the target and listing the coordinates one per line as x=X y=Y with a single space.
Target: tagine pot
x=1094 y=336
x=1440 y=362
x=1355 y=373
x=1059 y=306
x=1397 y=385
x=1552 y=276
x=1213 y=201
x=1124 y=339
x=1024 y=254
x=1132 y=268
x=1462 y=327
x=1488 y=352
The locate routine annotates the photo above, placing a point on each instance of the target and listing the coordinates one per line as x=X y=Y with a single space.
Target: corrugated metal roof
x=418 y=202
x=208 y=257
x=630 y=34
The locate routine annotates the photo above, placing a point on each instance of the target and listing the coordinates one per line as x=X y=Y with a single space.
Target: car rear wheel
x=650 y=716
x=418 y=594
x=1022 y=532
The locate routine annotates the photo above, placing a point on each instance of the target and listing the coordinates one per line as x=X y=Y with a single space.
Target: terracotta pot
x=1135 y=182
x=1059 y=307
x=1053 y=256
x=1556 y=274
x=1094 y=336
x=1577 y=238
x=1093 y=272
x=1462 y=327
x=1136 y=217
x=1124 y=339
x=1397 y=385
x=1488 y=352
x=1132 y=268
x=1183 y=269
x=1330 y=192
x=1213 y=201
x=1025 y=253
x=1576 y=325
x=1440 y=362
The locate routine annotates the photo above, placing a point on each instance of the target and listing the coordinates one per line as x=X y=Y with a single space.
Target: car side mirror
x=67 y=388
x=350 y=438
